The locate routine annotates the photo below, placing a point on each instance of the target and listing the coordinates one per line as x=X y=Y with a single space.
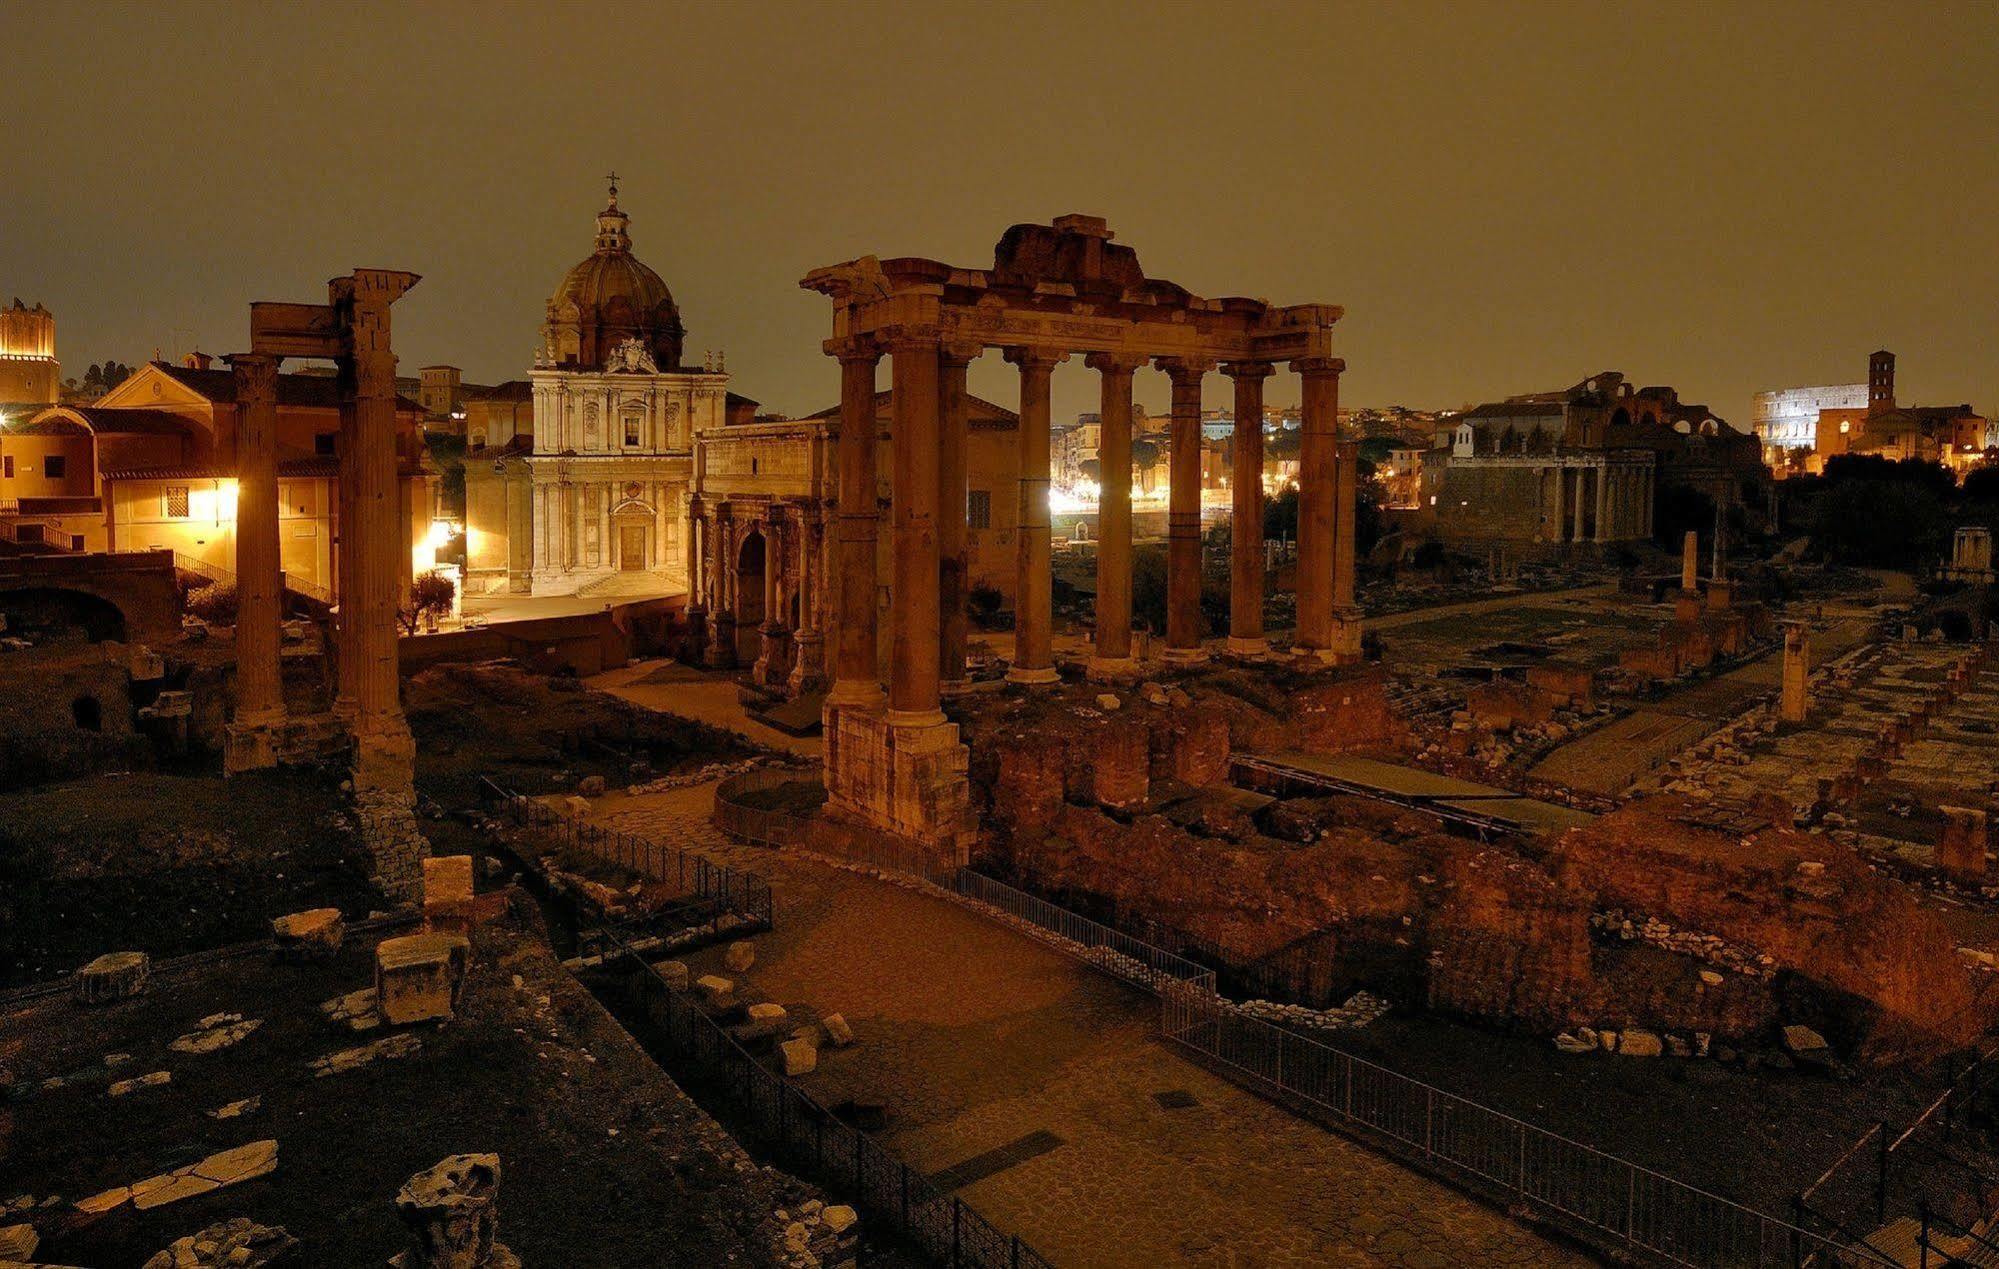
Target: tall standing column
x=1184 y=624
x=1033 y=603
x=259 y=688
x=1346 y=612
x=1113 y=648
x=377 y=519
x=953 y=495
x=697 y=578
x=808 y=668
x=1317 y=503
x=1603 y=502
x=347 y=566
x=1582 y=490
x=770 y=667
x=854 y=670
x=721 y=653
x=914 y=627
x=1246 y=510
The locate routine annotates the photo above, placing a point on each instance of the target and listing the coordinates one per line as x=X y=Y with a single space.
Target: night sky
x=1506 y=197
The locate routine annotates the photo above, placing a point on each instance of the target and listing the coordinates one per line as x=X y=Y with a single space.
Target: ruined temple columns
x=1796 y=698
x=697 y=575
x=770 y=650
x=1346 y=613
x=1112 y=655
x=952 y=497
x=1033 y=657
x=914 y=633
x=721 y=652
x=1246 y=511
x=1317 y=504
x=808 y=668
x=1603 y=503
x=854 y=669
x=259 y=688
x=1184 y=623
x=1582 y=490
x=347 y=568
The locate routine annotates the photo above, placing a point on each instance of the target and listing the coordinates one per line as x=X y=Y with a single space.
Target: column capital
x=1248 y=369
x=854 y=348
x=1031 y=358
x=1117 y=364
x=959 y=353
x=1315 y=366
x=1181 y=369
x=256 y=376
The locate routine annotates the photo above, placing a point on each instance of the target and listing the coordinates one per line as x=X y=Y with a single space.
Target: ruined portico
x=352 y=330
x=1053 y=292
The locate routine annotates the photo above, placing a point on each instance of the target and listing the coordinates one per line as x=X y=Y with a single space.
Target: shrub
x=214 y=603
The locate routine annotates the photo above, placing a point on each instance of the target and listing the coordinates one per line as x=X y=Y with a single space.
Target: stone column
x=697 y=578
x=1603 y=503
x=1246 y=510
x=1346 y=612
x=721 y=651
x=953 y=493
x=1796 y=699
x=808 y=668
x=1582 y=503
x=1185 y=625
x=347 y=575
x=914 y=625
x=259 y=590
x=1317 y=504
x=1690 y=556
x=1113 y=645
x=1033 y=657
x=855 y=682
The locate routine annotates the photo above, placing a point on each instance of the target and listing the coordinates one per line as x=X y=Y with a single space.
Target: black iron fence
x=742 y=894
x=808 y=1140
x=1935 y=1169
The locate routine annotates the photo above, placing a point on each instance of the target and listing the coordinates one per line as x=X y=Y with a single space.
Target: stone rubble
x=388 y=1048
x=152 y=1079
x=112 y=976
x=233 y=1244
x=452 y=1210
x=312 y=935
x=1359 y=1010
x=218 y=1031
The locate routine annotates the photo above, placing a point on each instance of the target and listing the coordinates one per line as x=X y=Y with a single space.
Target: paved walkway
x=975 y=1037
x=706 y=696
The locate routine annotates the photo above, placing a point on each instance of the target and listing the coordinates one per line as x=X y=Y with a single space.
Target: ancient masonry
x=897 y=763
x=352 y=330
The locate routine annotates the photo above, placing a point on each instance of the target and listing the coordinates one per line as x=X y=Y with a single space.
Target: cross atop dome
x=613 y=232
x=613 y=179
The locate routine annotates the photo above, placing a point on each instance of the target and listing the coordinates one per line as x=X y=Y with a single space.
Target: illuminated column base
x=248 y=746
x=1257 y=647
x=1111 y=669
x=1031 y=677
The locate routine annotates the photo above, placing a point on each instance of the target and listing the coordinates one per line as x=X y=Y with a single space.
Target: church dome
x=610 y=297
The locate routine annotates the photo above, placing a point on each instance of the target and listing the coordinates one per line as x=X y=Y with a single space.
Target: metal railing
x=808 y=1140
x=202 y=568
x=730 y=889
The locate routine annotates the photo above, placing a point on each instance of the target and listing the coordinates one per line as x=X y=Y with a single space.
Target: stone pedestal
x=313 y=935
x=906 y=778
x=1796 y=700
x=385 y=804
x=808 y=666
x=1687 y=607
x=248 y=746
x=112 y=976
x=418 y=976
x=1961 y=849
x=453 y=1216
x=1720 y=594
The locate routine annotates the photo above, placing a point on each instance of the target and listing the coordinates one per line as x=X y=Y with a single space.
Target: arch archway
x=52 y=611
x=632 y=524
x=751 y=560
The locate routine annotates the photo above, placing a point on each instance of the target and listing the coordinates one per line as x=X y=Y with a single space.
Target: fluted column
x=376 y=529
x=769 y=666
x=1185 y=625
x=1582 y=489
x=1317 y=503
x=808 y=668
x=1603 y=502
x=697 y=576
x=854 y=670
x=259 y=588
x=1246 y=510
x=347 y=570
x=953 y=492
x=1033 y=655
x=721 y=651
x=914 y=625
x=1113 y=647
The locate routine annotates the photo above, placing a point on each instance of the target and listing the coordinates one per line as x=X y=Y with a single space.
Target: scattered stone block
x=766 y=1013
x=1711 y=978
x=675 y=973
x=801 y=1057
x=237 y=1109
x=18 y=1242
x=591 y=786
x=388 y=1048
x=452 y=1211
x=233 y=1244
x=224 y=1168
x=417 y=976
x=357 y=1009
x=1108 y=701
x=717 y=991
x=739 y=956
x=313 y=935
x=213 y=1036
x=1573 y=1044
x=1802 y=1039
x=1637 y=1042
x=152 y=1079
x=837 y=1030
x=97 y=1204
x=113 y=976
x=447 y=894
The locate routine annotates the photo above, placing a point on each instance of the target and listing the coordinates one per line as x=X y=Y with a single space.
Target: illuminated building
x=29 y=372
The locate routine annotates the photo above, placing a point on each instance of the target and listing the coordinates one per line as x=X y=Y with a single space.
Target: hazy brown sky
x=1506 y=197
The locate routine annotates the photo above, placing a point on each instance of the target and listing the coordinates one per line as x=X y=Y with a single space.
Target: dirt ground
x=165 y=864
x=604 y=1162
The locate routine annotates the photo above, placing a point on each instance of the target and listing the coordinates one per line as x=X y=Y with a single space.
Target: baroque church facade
x=592 y=499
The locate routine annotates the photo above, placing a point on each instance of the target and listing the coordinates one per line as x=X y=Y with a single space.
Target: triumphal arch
x=893 y=760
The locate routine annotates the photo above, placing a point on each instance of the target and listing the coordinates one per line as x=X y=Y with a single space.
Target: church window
x=7 y=467
x=979 y=509
x=176 y=502
x=632 y=424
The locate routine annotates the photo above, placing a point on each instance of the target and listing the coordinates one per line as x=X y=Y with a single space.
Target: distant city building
x=29 y=372
x=1955 y=435
x=1786 y=420
x=579 y=484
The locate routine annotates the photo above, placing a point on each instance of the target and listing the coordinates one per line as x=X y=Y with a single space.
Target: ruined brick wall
x=1509 y=942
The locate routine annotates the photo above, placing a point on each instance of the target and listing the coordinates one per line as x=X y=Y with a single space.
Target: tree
x=1981 y=484
x=1879 y=523
x=429 y=600
x=1680 y=510
x=214 y=603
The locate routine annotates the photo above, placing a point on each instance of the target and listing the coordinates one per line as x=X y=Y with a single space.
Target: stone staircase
x=631 y=586
x=1901 y=1241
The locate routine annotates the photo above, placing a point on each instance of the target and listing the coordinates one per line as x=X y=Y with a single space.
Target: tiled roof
x=314 y=391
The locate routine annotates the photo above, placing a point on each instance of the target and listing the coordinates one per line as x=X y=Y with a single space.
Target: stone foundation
x=385 y=805
x=907 y=780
